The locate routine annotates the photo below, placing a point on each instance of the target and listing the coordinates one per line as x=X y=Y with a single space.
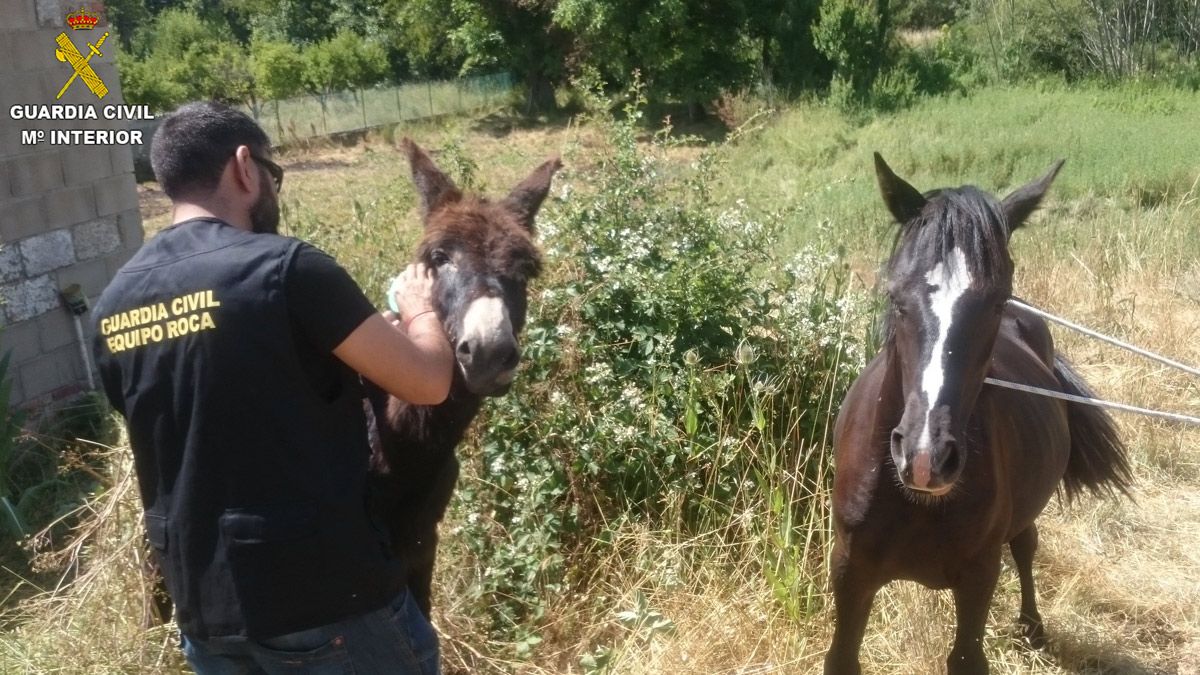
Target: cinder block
x=115 y=194
x=92 y=276
x=50 y=14
x=16 y=395
x=129 y=222
x=20 y=88
x=122 y=159
x=30 y=50
x=55 y=330
x=50 y=372
x=37 y=173
x=116 y=261
x=20 y=218
x=20 y=16
x=10 y=263
x=5 y=184
x=29 y=298
x=22 y=338
x=96 y=238
x=69 y=206
x=47 y=251
x=86 y=164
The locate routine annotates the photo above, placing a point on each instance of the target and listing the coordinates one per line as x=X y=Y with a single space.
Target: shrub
x=679 y=375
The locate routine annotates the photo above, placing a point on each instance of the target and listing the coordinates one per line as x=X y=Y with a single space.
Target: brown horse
x=935 y=472
x=484 y=255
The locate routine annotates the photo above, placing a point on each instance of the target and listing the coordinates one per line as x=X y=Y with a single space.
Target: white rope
x=1099 y=336
x=1186 y=419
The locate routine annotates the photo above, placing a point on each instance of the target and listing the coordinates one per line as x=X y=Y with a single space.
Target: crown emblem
x=82 y=20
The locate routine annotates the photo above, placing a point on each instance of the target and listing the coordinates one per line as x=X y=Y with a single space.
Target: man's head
x=215 y=156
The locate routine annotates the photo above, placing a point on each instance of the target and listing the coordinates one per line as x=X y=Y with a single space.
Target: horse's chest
x=928 y=543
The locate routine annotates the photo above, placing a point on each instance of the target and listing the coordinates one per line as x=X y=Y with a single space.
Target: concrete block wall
x=68 y=214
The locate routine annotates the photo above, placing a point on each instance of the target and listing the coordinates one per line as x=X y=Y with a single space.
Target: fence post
x=399 y=110
x=429 y=88
x=362 y=103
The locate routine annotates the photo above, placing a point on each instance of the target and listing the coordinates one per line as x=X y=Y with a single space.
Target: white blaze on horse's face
x=950 y=282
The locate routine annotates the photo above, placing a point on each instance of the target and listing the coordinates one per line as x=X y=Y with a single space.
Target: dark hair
x=193 y=144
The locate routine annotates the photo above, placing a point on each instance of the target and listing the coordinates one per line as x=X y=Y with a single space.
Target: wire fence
x=297 y=119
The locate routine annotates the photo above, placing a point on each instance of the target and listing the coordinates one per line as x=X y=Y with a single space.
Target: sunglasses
x=272 y=168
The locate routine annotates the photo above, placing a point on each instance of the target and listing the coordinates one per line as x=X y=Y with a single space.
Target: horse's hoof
x=1033 y=632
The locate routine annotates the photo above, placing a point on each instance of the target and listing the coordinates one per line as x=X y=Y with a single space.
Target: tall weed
x=680 y=375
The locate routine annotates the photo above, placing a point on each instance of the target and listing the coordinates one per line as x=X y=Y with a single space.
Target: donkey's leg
x=1023 y=547
x=853 y=593
x=972 y=595
x=420 y=576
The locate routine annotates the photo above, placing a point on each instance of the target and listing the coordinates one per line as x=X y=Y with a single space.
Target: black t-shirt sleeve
x=324 y=302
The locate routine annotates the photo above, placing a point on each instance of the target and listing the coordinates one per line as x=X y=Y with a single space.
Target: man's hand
x=407 y=354
x=412 y=292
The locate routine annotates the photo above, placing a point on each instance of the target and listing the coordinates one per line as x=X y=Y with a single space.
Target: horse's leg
x=972 y=596
x=1023 y=547
x=853 y=593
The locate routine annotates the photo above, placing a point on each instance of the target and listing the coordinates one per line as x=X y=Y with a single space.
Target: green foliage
x=343 y=62
x=929 y=13
x=278 y=69
x=182 y=58
x=686 y=50
x=853 y=34
x=11 y=522
x=677 y=374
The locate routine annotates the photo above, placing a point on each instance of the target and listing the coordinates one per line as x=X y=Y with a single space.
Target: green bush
x=854 y=36
x=678 y=375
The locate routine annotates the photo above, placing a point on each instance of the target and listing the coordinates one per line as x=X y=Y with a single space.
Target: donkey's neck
x=414 y=433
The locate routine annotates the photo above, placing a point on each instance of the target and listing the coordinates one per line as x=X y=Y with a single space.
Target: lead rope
x=1176 y=417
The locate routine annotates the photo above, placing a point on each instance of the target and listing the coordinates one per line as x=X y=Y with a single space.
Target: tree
x=517 y=35
x=689 y=50
x=854 y=35
x=180 y=57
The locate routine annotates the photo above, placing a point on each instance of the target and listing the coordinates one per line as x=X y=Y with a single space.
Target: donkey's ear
x=1025 y=200
x=434 y=187
x=525 y=199
x=903 y=200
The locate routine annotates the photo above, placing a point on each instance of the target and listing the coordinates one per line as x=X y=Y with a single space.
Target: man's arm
x=414 y=364
x=416 y=367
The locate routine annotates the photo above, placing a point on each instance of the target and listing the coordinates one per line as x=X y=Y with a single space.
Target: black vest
x=254 y=485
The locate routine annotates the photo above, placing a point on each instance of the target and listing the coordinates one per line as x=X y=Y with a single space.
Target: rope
x=1099 y=336
x=1186 y=419
x=1176 y=417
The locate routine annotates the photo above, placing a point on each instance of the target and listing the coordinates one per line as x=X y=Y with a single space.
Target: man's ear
x=525 y=199
x=433 y=186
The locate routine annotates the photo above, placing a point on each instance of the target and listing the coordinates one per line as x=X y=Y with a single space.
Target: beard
x=264 y=215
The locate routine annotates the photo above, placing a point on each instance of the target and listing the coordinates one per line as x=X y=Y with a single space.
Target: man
x=234 y=354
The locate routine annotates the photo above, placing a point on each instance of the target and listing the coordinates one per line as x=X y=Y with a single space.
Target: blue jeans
x=395 y=639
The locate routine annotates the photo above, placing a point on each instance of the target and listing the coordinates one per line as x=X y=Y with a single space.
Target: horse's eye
x=439 y=257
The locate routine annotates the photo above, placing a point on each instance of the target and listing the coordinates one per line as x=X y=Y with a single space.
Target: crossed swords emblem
x=67 y=52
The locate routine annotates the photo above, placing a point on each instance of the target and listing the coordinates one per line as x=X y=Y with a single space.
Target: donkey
x=484 y=257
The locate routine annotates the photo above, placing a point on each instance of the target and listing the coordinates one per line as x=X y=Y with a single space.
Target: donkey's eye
x=439 y=257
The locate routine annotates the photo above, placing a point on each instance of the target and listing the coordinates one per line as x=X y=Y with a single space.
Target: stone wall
x=68 y=213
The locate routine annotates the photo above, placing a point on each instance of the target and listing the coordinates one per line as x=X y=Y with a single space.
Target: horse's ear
x=903 y=200
x=434 y=187
x=525 y=199
x=1020 y=204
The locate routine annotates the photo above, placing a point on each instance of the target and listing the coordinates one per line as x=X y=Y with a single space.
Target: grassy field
x=1116 y=247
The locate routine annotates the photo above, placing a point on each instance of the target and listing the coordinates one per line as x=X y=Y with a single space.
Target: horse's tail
x=1098 y=461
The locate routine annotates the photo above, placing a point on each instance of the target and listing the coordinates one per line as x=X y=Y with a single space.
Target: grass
x=1117 y=247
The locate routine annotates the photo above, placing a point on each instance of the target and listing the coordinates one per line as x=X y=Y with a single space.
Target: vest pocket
x=156 y=531
x=277 y=565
